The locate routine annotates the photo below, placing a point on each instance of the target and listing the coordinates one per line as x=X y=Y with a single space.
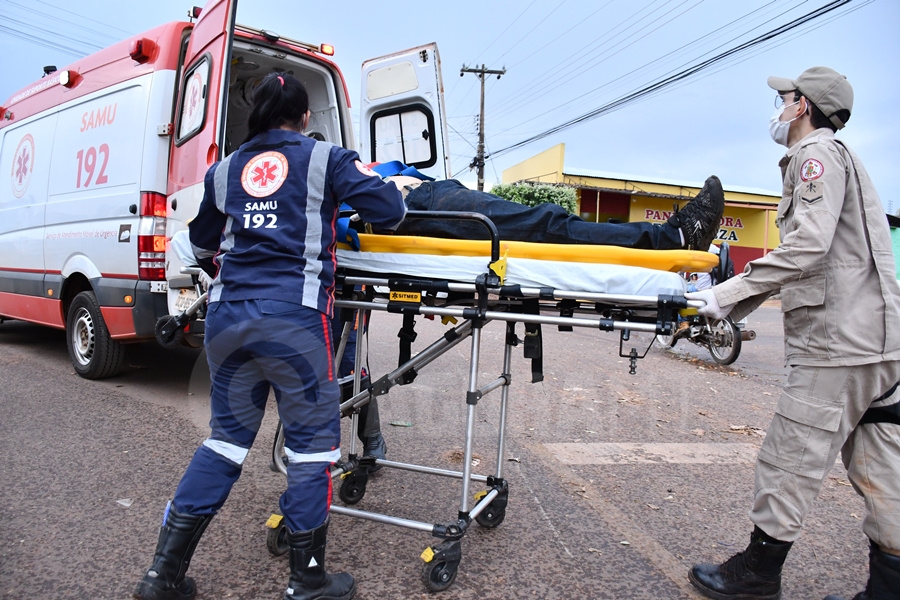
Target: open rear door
x=202 y=98
x=402 y=113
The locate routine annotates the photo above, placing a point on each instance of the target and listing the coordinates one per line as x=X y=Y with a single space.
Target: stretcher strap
x=533 y=346
x=407 y=336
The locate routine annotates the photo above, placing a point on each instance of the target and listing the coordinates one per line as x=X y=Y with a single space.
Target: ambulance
x=105 y=160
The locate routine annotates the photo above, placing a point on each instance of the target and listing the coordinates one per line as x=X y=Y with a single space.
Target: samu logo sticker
x=22 y=166
x=811 y=169
x=264 y=174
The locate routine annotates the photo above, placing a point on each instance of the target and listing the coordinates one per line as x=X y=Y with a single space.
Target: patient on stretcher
x=692 y=228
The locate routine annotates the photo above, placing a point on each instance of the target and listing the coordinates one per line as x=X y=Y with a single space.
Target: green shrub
x=532 y=194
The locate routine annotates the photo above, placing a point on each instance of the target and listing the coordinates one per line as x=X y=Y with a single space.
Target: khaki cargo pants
x=817 y=415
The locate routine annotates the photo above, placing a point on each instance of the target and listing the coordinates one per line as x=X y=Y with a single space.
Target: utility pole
x=478 y=161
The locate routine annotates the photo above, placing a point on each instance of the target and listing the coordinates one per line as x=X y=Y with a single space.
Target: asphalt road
x=618 y=483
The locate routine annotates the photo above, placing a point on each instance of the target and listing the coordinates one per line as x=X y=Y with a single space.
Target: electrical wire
x=53 y=34
x=41 y=41
x=666 y=58
x=45 y=15
x=690 y=72
x=81 y=16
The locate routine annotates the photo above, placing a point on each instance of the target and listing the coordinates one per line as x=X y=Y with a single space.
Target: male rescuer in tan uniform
x=841 y=302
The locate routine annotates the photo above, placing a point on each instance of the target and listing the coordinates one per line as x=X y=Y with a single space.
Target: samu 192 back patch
x=811 y=169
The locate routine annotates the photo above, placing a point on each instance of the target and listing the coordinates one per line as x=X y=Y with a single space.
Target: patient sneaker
x=699 y=219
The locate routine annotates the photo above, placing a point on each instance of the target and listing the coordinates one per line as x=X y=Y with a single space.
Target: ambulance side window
x=194 y=100
x=405 y=134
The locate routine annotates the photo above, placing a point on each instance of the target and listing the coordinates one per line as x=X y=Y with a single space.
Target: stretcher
x=469 y=285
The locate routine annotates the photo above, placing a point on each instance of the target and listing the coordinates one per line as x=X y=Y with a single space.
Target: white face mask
x=780 y=130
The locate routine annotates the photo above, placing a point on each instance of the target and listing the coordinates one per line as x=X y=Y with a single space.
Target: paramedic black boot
x=754 y=574
x=884 y=576
x=699 y=219
x=309 y=581
x=178 y=537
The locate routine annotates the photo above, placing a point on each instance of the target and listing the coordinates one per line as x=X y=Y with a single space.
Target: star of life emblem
x=22 y=166
x=264 y=174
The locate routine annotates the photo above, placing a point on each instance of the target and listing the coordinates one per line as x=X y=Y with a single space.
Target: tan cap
x=826 y=88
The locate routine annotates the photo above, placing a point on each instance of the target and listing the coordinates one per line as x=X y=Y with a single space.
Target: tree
x=533 y=194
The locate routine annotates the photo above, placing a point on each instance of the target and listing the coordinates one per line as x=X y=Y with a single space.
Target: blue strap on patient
x=347 y=235
x=395 y=167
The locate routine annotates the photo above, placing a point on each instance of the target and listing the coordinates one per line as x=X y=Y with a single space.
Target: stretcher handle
x=463 y=216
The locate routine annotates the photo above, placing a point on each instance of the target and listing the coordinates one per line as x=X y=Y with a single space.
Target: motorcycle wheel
x=725 y=345
x=666 y=341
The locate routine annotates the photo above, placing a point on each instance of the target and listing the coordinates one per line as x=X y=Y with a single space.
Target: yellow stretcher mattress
x=661 y=260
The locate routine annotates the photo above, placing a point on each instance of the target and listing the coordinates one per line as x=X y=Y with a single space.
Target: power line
x=46 y=15
x=678 y=77
x=669 y=56
x=81 y=16
x=52 y=34
x=605 y=56
x=41 y=41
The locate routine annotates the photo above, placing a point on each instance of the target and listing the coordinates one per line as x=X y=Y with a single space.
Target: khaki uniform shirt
x=834 y=265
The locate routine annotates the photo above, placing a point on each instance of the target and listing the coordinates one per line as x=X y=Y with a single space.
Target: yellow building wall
x=739 y=226
x=546 y=167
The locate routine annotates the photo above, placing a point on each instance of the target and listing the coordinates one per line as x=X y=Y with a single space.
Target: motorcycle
x=722 y=337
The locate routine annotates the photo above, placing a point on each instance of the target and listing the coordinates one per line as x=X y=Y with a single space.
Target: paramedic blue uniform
x=266 y=232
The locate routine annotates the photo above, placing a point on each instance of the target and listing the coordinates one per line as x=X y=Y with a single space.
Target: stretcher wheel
x=276 y=540
x=491 y=517
x=352 y=489
x=726 y=343
x=438 y=575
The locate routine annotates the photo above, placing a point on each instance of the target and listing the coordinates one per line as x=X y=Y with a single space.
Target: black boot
x=309 y=581
x=884 y=577
x=754 y=574
x=178 y=537
x=699 y=219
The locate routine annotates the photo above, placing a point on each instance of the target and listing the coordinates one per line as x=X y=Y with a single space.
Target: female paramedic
x=265 y=232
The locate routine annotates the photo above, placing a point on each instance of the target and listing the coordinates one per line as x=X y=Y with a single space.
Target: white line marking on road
x=653 y=453
x=543 y=513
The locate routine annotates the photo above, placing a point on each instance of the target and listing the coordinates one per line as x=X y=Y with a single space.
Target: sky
x=564 y=58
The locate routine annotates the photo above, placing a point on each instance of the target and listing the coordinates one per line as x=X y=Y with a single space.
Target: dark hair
x=818 y=119
x=278 y=100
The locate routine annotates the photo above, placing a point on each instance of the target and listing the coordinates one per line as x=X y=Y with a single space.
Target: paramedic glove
x=205 y=280
x=347 y=235
x=712 y=308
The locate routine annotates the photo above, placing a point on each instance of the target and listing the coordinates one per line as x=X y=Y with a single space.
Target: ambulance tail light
x=326 y=49
x=152 y=237
x=142 y=50
x=153 y=204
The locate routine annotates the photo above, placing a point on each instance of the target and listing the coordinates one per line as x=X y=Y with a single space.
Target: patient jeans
x=547 y=223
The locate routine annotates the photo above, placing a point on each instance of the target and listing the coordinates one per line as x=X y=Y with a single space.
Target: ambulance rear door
x=199 y=127
x=402 y=113
x=200 y=109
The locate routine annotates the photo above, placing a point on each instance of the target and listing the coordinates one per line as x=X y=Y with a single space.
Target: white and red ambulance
x=106 y=158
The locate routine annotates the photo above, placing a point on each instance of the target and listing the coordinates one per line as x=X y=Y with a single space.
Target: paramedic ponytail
x=279 y=100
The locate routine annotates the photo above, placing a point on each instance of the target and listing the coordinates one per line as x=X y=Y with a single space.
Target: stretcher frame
x=475 y=305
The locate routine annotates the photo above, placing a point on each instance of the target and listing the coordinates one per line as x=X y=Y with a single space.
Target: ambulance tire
x=94 y=354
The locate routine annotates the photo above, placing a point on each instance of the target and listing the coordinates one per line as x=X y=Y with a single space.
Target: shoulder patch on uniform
x=811 y=169
x=365 y=170
x=264 y=173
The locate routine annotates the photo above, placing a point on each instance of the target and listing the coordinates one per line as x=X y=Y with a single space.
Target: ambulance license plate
x=185 y=298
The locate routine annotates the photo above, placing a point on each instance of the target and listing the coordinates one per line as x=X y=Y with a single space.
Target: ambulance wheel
x=352 y=489
x=276 y=540
x=726 y=343
x=491 y=517
x=438 y=575
x=94 y=354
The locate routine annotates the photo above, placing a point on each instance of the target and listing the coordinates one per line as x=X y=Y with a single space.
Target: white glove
x=205 y=280
x=712 y=308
